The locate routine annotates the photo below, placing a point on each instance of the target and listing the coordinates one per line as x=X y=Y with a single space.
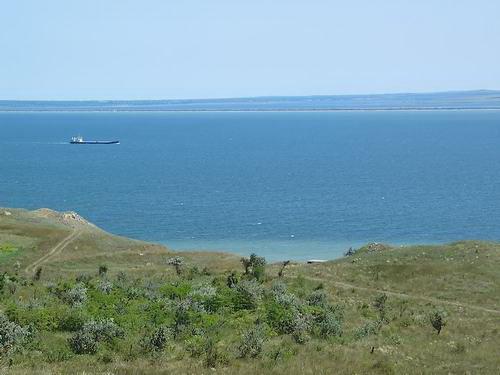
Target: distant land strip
x=453 y=100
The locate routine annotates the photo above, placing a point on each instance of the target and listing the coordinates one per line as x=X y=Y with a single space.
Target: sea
x=285 y=185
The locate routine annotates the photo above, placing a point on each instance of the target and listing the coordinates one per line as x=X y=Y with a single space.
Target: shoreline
x=422 y=109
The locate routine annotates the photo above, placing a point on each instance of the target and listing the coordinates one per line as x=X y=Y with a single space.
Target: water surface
x=285 y=185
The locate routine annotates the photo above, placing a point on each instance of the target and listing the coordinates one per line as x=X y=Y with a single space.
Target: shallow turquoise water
x=285 y=185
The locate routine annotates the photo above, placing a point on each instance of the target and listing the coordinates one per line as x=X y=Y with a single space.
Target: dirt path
x=54 y=251
x=437 y=301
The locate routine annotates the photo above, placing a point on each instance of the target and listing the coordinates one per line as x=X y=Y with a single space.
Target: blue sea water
x=287 y=185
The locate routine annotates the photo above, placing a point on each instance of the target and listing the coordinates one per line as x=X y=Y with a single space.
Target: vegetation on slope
x=382 y=310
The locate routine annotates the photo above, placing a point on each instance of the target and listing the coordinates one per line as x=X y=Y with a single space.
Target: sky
x=166 y=49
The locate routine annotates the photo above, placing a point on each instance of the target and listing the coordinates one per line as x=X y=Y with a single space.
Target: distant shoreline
x=436 y=101
x=247 y=110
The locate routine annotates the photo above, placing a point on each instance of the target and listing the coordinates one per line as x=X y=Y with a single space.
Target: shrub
x=105 y=286
x=251 y=343
x=248 y=293
x=12 y=335
x=103 y=329
x=300 y=328
x=11 y=286
x=83 y=278
x=278 y=287
x=318 y=298
x=350 y=252
x=157 y=341
x=86 y=341
x=103 y=270
x=38 y=274
x=177 y=263
x=380 y=304
x=279 y=317
x=254 y=266
x=195 y=345
x=71 y=320
x=369 y=328
x=283 y=266
x=437 y=319
x=232 y=280
x=121 y=277
x=206 y=296
x=213 y=356
x=77 y=295
x=330 y=325
x=151 y=291
x=283 y=297
x=83 y=342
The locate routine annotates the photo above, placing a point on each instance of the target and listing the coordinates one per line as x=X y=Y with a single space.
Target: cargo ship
x=80 y=141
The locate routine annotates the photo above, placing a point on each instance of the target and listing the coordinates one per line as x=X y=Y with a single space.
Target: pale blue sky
x=153 y=49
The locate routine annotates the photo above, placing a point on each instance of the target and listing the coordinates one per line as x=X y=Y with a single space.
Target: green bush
x=318 y=298
x=369 y=328
x=86 y=340
x=83 y=342
x=157 y=341
x=76 y=296
x=12 y=335
x=251 y=343
x=178 y=290
x=254 y=266
x=195 y=345
x=300 y=328
x=247 y=294
x=437 y=319
x=279 y=317
x=330 y=325
x=71 y=320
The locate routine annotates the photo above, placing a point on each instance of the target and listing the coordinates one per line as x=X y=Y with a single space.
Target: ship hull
x=94 y=142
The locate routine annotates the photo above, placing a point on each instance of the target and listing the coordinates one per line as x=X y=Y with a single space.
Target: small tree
x=258 y=266
x=103 y=270
x=437 y=319
x=380 y=304
x=246 y=265
x=350 y=252
x=283 y=265
x=177 y=262
x=254 y=265
x=232 y=280
x=38 y=274
x=157 y=340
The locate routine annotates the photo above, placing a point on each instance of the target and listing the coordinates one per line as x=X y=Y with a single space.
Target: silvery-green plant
x=249 y=292
x=105 y=286
x=330 y=325
x=86 y=340
x=177 y=262
x=103 y=329
x=367 y=329
x=251 y=343
x=83 y=342
x=77 y=295
x=300 y=329
x=318 y=298
x=204 y=291
x=12 y=335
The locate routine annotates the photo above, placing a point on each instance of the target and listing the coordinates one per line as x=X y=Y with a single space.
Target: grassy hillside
x=74 y=299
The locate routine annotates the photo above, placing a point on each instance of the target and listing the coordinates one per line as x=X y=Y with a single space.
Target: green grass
x=460 y=279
